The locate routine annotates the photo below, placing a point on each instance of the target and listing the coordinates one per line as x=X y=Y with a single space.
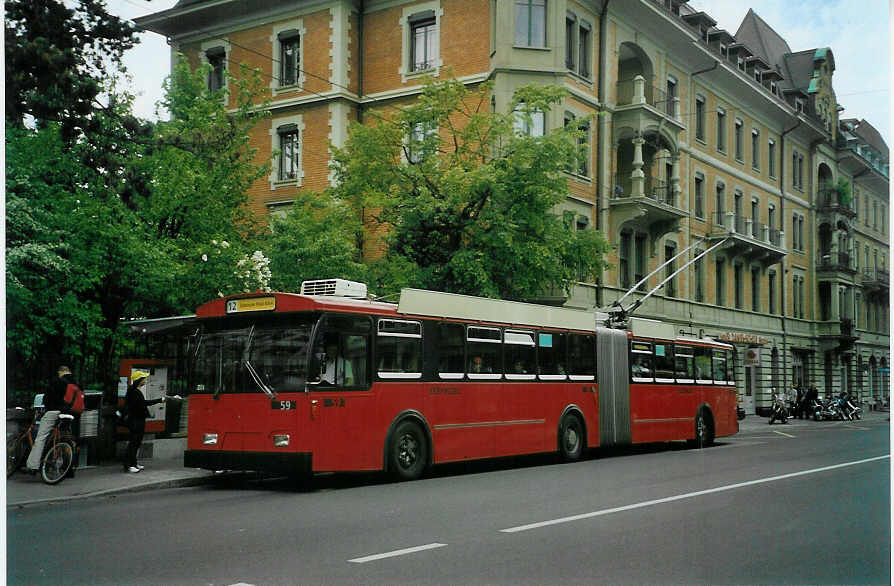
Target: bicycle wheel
x=15 y=454
x=55 y=464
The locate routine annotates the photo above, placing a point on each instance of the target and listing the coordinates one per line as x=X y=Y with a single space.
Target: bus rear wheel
x=408 y=453
x=571 y=438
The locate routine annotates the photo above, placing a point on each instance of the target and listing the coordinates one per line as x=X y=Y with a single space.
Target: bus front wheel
x=408 y=454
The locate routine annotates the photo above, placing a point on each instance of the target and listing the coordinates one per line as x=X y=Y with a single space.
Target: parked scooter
x=779 y=411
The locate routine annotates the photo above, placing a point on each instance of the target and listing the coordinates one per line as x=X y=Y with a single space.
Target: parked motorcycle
x=779 y=411
x=849 y=408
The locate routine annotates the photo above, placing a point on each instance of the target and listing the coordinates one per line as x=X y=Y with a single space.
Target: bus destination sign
x=251 y=304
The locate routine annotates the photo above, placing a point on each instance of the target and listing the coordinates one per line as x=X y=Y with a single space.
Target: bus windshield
x=253 y=356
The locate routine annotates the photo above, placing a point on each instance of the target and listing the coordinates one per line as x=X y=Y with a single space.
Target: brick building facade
x=700 y=137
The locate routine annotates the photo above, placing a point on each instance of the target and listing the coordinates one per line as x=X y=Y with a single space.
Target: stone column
x=637 y=177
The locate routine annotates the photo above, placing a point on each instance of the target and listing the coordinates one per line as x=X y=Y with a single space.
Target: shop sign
x=753 y=357
x=742 y=338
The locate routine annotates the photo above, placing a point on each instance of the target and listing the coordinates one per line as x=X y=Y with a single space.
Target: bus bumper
x=282 y=462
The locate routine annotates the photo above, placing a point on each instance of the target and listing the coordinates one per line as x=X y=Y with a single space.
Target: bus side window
x=451 y=351
x=341 y=352
x=664 y=362
x=520 y=354
x=719 y=363
x=581 y=357
x=399 y=349
x=551 y=359
x=685 y=370
x=484 y=353
x=641 y=362
x=703 y=375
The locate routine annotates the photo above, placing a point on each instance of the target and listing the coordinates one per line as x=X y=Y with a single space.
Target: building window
x=720 y=204
x=671 y=97
x=699 y=276
x=771 y=158
x=797 y=232
x=699 y=196
x=423 y=41
x=422 y=142
x=570 y=30
x=583 y=142
x=528 y=123
x=755 y=289
x=771 y=291
x=624 y=260
x=670 y=251
x=737 y=146
x=720 y=281
x=738 y=285
x=289 y=57
x=700 y=118
x=583 y=43
x=288 y=152
x=797 y=170
x=530 y=23
x=755 y=149
x=639 y=268
x=217 y=59
x=721 y=130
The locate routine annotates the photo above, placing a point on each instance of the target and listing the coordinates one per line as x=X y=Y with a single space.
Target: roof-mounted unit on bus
x=334 y=288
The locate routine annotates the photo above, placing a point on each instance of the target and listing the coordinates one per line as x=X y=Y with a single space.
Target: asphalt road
x=792 y=504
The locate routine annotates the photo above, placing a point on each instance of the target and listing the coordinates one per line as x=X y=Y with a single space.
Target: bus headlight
x=281 y=440
x=209 y=439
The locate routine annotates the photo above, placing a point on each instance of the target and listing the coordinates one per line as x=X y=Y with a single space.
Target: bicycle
x=58 y=458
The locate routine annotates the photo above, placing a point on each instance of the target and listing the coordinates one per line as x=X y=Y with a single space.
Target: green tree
x=468 y=204
x=315 y=240
x=58 y=58
x=128 y=220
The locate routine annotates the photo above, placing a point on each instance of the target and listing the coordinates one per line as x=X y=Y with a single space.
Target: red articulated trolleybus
x=330 y=381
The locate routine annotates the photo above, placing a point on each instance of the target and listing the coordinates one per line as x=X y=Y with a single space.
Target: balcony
x=748 y=239
x=841 y=332
x=835 y=263
x=829 y=202
x=876 y=282
x=640 y=105
x=657 y=210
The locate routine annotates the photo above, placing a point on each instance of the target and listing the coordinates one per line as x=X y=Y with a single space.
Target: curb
x=155 y=485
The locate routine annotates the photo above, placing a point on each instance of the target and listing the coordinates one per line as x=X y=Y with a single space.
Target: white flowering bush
x=253 y=272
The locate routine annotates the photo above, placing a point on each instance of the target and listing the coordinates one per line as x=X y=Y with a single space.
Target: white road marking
x=855 y=427
x=397 y=552
x=783 y=433
x=685 y=496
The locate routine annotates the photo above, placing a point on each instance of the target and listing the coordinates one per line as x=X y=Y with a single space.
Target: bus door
x=342 y=409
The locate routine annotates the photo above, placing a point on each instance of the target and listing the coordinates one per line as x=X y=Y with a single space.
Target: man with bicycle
x=54 y=403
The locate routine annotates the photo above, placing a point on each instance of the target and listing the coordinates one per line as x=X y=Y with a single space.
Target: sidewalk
x=108 y=478
x=23 y=489
x=758 y=423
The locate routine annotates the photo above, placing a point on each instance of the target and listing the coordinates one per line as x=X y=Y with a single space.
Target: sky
x=856 y=30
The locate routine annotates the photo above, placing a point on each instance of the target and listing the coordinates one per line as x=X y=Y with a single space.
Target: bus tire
x=704 y=429
x=571 y=438
x=408 y=451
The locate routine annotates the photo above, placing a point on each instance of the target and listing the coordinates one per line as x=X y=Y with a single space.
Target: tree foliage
x=57 y=59
x=128 y=220
x=467 y=204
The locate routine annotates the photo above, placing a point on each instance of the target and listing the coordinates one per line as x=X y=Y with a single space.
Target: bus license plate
x=283 y=405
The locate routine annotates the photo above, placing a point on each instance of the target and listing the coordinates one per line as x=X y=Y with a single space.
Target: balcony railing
x=829 y=199
x=840 y=262
x=655 y=189
x=637 y=91
x=876 y=278
x=738 y=224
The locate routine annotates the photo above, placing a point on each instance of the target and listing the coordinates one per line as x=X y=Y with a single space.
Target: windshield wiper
x=251 y=369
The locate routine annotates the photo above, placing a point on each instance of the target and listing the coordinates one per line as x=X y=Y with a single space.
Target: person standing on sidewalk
x=136 y=411
x=54 y=403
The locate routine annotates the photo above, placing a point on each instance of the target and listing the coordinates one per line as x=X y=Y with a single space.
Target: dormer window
x=799 y=105
x=740 y=62
x=757 y=75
